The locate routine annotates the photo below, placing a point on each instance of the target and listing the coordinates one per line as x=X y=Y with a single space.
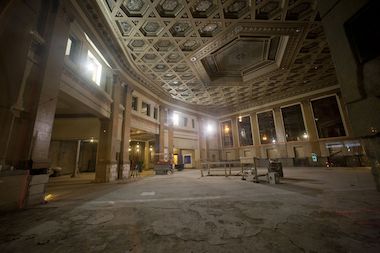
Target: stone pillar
x=358 y=79
x=48 y=96
x=76 y=167
x=22 y=57
x=202 y=139
x=170 y=134
x=106 y=166
x=219 y=140
x=161 y=142
x=146 y=155
x=255 y=135
x=126 y=134
x=311 y=128
x=280 y=133
x=280 y=129
x=235 y=136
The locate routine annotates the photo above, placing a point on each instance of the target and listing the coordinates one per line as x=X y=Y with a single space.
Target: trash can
x=273 y=178
x=275 y=167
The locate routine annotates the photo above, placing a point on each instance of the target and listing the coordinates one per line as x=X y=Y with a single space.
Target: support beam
x=255 y=135
x=125 y=165
x=161 y=141
x=107 y=164
x=76 y=167
x=311 y=128
x=47 y=99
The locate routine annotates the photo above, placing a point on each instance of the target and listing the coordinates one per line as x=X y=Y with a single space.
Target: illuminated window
x=94 y=68
x=96 y=50
x=266 y=127
x=68 y=46
x=245 y=132
x=293 y=123
x=72 y=49
x=226 y=132
x=134 y=103
x=145 y=109
x=327 y=117
x=175 y=119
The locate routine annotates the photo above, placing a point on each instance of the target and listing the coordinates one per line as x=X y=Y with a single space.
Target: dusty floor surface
x=312 y=210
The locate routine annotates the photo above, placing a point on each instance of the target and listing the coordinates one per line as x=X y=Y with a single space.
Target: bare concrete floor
x=312 y=210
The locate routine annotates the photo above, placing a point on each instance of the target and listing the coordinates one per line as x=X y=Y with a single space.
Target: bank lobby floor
x=312 y=210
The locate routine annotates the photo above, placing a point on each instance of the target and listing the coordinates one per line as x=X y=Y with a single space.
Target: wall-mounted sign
x=314 y=157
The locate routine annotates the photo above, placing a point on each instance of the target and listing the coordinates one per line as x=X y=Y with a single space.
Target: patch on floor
x=148 y=194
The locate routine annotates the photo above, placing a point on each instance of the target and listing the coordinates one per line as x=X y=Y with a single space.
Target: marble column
x=311 y=128
x=280 y=133
x=235 y=136
x=202 y=139
x=47 y=100
x=126 y=133
x=76 y=167
x=255 y=135
x=146 y=155
x=170 y=129
x=107 y=165
x=161 y=141
x=359 y=80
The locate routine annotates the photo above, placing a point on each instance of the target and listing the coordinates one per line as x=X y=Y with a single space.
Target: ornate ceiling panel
x=224 y=54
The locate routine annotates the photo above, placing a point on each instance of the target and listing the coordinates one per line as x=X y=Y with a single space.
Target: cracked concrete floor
x=312 y=210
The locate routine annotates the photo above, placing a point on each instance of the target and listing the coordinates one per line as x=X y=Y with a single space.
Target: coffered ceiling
x=223 y=55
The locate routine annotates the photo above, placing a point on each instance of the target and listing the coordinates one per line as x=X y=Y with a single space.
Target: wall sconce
x=274 y=141
x=240 y=118
x=129 y=149
x=305 y=135
x=264 y=138
x=150 y=149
